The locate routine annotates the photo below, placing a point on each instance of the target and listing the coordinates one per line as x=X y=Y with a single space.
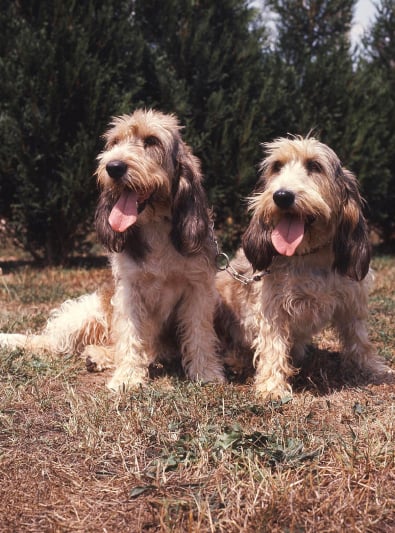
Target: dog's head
x=305 y=201
x=146 y=169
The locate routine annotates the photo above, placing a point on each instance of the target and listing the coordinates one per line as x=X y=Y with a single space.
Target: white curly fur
x=69 y=329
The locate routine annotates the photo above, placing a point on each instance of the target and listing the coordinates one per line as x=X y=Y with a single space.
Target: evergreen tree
x=371 y=130
x=204 y=61
x=315 y=65
x=61 y=68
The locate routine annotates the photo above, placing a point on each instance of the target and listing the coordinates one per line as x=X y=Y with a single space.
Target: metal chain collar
x=223 y=263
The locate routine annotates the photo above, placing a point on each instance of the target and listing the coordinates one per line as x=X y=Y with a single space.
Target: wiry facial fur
x=161 y=167
x=325 y=281
x=163 y=267
x=326 y=195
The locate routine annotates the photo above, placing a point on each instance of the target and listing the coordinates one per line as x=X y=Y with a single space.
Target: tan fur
x=163 y=265
x=75 y=324
x=326 y=280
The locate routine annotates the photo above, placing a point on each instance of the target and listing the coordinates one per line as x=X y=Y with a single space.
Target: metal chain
x=223 y=263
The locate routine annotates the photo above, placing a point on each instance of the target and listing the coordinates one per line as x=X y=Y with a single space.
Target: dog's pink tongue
x=124 y=212
x=288 y=234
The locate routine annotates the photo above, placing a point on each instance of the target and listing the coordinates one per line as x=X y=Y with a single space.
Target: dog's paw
x=91 y=365
x=372 y=370
x=207 y=371
x=97 y=358
x=269 y=391
x=210 y=377
x=121 y=385
x=127 y=378
x=384 y=375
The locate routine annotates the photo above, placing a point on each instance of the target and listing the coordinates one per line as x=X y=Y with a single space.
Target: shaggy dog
x=308 y=240
x=152 y=216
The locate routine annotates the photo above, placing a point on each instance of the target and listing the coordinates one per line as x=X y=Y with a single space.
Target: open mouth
x=289 y=233
x=125 y=212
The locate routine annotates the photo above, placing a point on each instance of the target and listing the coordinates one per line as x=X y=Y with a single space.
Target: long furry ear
x=351 y=244
x=190 y=216
x=257 y=244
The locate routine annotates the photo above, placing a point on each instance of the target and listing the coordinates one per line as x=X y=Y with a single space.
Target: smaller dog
x=152 y=217
x=308 y=237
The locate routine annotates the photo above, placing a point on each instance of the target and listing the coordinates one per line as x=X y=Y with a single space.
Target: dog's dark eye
x=313 y=166
x=151 y=140
x=276 y=167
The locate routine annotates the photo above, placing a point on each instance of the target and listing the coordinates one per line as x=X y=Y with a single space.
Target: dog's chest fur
x=305 y=302
x=299 y=293
x=307 y=297
x=163 y=275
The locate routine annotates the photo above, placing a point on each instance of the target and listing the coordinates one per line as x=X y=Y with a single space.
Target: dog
x=305 y=264
x=153 y=219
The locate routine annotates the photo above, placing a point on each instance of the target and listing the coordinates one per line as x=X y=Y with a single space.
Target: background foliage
x=67 y=67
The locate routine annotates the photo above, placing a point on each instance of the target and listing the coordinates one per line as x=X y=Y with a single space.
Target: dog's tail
x=71 y=327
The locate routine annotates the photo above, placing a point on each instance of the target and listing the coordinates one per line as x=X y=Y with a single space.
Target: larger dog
x=153 y=217
x=307 y=246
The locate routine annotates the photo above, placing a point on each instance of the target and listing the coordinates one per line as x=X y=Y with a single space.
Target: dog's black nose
x=116 y=169
x=283 y=198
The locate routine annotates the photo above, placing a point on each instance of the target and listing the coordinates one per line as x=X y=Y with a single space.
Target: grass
x=177 y=456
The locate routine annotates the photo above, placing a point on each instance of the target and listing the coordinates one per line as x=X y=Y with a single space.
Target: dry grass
x=181 y=457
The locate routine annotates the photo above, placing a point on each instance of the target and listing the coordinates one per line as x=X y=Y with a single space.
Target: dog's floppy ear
x=190 y=216
x=257 y=244
x=351 y=243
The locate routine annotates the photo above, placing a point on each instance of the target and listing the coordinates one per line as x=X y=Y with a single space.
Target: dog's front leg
x=272 y=360
x=199 y=343
x=131 y=369
x=132 y=333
